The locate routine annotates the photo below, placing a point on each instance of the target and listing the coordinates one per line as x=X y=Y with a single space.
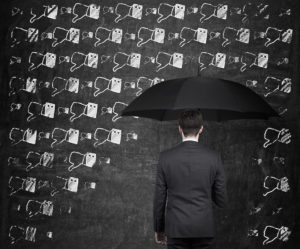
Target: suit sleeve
x=219 y=188
x=160 y=195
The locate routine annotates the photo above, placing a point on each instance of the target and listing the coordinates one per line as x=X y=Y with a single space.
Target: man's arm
x=160 y=195
x=219 y=189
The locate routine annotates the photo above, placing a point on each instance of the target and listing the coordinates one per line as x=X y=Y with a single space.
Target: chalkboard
x=76 y=174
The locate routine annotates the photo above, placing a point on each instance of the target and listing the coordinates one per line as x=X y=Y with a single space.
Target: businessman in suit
x=189 y=178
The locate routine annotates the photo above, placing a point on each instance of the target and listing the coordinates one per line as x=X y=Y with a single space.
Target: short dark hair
x=190 y=121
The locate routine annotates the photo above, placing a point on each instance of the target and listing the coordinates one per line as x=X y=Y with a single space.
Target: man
x=190 y=177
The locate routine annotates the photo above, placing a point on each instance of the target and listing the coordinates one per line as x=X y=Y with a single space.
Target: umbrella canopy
x=218 y=100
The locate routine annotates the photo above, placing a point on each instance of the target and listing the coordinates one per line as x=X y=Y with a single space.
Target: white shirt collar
x=189 y=139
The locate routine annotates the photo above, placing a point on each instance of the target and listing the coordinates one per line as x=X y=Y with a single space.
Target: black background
x=118 y=213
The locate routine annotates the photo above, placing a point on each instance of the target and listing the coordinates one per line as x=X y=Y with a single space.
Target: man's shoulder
x=172 y=149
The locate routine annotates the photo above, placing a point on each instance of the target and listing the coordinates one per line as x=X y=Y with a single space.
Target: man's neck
x=190 y=139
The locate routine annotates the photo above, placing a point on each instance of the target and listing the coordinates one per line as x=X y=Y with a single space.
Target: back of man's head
x=190 y=121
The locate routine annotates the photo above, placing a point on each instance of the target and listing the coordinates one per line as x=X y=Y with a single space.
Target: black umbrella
x=218 y=100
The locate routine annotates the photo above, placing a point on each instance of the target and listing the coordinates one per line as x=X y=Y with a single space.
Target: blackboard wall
x=77 y=175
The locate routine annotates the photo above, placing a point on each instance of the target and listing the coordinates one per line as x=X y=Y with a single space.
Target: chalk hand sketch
x=105 y=58
x=102 y=84
x=192 y=10
x=273 y=85
x=249 y=59
x=272 y=135
x=81 y=10
x=144 y=83
x=251 y=83
x=101 y=135
x=145 y=35
x=15 y=60
x=215 y=35
x=17 y=184
x=35 y=159
x=231 y=34
x=285 y=12
x=17 y=233
x=79 y=59
x=86 y=84
x=104 y=160
x=150 y=11
x=60 y=84
x=278 y=210
x=252 y=233
x=281 y=110
x=59 y=183
x=116 y=110
x=256 y=160
x=89 y=185
x=35 y=208
x=108 y=9
x=131 y=136
x=62 y=59
x=49 y=11
x=17 y=135
x=284 y=36
x=63 y=110
x=272 y=183
x=20 y=34
x=59 y=35
x=78 y=109
x=35 y=109
x=77 y=159
x=208 y=11
x=60 y=135
x=103 y=35
x=87 y=34
x=272 y=233
x=17 y=84
x=85 y=135
x=279 y=160
x=13 y=161
x=273 y=35
x=164 y=59
x=256 y=209
x=166 y=10
x=206 y=59
x=129 y=85
x=16 y=11
x=43 y=184
x=15 y=107
x=129 y=36
x=29 y=233
x=187 y=35
x=251 y=10
x=123 y=10
x=122 y=59
x=37 y=59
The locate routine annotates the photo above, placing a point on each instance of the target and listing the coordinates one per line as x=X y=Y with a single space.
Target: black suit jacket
x=189 y=178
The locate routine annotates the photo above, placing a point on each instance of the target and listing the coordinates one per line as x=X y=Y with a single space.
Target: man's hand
x=160 y=238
